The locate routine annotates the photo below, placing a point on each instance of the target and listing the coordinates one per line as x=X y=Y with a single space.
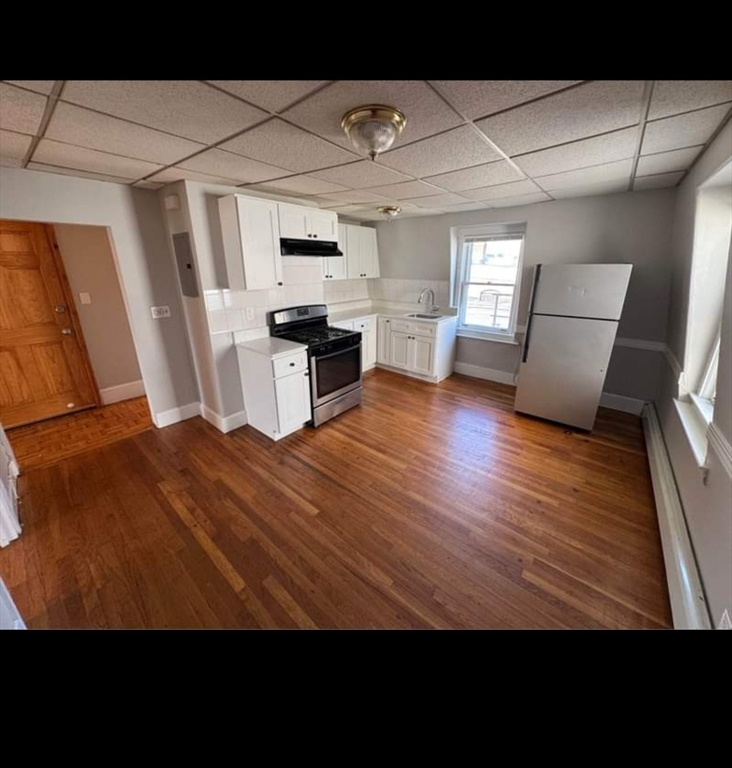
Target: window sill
x=501 y=338
x=695 y=427
x=704 y=407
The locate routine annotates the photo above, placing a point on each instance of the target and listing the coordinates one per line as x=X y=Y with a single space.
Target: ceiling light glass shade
x=372 y=129
x=389 y=212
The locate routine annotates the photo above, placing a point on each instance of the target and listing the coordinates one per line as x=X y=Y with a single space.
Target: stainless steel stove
x=334 y=356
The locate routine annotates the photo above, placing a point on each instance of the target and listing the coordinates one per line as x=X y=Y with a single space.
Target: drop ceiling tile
x=272 y=95
x=657 y=181
x=177 y=173
x=597 y=107
x=673 y=96
x=352 y=196
x=525 y=187
x=507 y=202
x=74 y=125
x=425 y=111
x=601 y=188
x=584 y=176
x=13 y=146
x=218 y=162
x=475 y=206
x=186 y=108
x=39 y=86
x=421 y=212
x=351 y=209
x=437 y=201
x=479 y=98
x=148 y=184
x=279 y=143
x=406 y=190
x=70 y=156
x=450 y=151
x=485 y=175
x=10 y=162
x=665 y=162
x=20 y=110
x=685 y=130
x=305 y=185
x=359 y=175
x=77 y=174
x=579 y=154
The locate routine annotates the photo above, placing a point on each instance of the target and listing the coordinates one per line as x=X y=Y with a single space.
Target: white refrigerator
x=573 y=318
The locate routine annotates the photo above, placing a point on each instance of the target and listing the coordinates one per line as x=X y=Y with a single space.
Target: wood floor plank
x=427 y=507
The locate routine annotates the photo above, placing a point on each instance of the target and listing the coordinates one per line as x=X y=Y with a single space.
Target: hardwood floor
x=47 y=442
x=429 y=506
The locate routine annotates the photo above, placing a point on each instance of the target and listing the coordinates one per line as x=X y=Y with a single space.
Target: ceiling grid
x=467 y=144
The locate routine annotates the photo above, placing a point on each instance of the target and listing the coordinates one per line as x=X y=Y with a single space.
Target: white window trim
x=460 y=270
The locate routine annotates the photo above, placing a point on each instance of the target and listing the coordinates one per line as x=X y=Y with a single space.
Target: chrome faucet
x=433 y=307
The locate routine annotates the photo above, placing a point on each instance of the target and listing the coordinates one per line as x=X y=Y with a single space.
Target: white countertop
x=381 y=309
x=272 y=346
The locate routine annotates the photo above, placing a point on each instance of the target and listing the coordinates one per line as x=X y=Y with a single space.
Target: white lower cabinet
x=276 y=383
x=366 y=326
x=424 y=349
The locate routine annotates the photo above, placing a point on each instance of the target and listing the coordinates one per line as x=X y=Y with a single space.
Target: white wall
x=707 y=505
x=143 y=260
x=630 y=227
x=89 y=263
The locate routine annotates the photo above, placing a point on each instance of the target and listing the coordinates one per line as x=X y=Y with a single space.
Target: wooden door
x=44 y=367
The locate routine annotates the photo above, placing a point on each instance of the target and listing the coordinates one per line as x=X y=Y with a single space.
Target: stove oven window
x=334 y=372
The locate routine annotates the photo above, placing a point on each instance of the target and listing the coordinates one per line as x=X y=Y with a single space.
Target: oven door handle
x=335 y=354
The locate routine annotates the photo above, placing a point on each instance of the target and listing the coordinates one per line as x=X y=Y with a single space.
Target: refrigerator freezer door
x=582 y=290
x=562 y=376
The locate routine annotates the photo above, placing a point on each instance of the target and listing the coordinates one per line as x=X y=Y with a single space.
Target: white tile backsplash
x=407 y=291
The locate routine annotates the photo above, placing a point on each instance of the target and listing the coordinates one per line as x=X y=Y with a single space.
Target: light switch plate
x=85 y=298
x=158 y=312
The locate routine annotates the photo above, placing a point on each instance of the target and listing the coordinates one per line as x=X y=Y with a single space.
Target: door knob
x=66 y=331
x=60 y=309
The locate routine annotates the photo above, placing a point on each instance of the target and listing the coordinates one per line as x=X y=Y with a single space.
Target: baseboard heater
x=688 y=604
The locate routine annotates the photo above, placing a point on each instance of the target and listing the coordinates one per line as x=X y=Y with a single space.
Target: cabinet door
x=322 y=225
x=293 y=221
x=421 y=354
x=369 y=254
x=382 y=343
x=260 y=243
x=399 y=350
x=353 y=258
x=368 y=349
x=336 y=267
x=293 y=401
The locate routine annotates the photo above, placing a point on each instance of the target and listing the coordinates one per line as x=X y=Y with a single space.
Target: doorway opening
x=69 y=375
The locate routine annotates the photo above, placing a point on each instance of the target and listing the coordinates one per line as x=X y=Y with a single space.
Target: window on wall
x=486 y=277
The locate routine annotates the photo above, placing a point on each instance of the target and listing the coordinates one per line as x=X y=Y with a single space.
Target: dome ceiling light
x=389 y=212
x=372 y=129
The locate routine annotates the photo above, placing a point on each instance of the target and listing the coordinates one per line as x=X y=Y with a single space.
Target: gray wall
x=89 y=263
x=630 y=227
x=143 y=259
x=707 y=504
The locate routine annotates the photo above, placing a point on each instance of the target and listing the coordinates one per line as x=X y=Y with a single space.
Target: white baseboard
x=174 y=415
x=688 y=606
x=224 y=423
x=489 y=374
x=622 y=403
x=121 y=392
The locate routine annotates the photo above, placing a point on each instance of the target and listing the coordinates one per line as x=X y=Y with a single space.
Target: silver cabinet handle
x=66 y=331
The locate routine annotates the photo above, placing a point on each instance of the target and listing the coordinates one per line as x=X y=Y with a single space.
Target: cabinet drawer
x=422 y=329
x=284 y=366
x=364 y=325
x=401 y=326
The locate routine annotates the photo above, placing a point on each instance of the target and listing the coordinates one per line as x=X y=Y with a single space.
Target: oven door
x=335 y=374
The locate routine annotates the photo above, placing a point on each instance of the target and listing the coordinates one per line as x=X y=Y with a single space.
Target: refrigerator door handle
x=534 y=286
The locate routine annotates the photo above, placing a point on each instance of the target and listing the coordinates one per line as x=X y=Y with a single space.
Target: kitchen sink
x=425 y=317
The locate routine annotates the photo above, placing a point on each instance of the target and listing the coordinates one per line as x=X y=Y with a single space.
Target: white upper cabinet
x=251 y=236
x=362 y=255
x=300 y=223
x=334 y=267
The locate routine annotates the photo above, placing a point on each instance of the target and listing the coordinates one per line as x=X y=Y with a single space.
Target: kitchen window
x=486 y=279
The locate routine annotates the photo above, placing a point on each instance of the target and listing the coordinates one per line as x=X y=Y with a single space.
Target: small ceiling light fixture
x=373 y=128
x=389 y=212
